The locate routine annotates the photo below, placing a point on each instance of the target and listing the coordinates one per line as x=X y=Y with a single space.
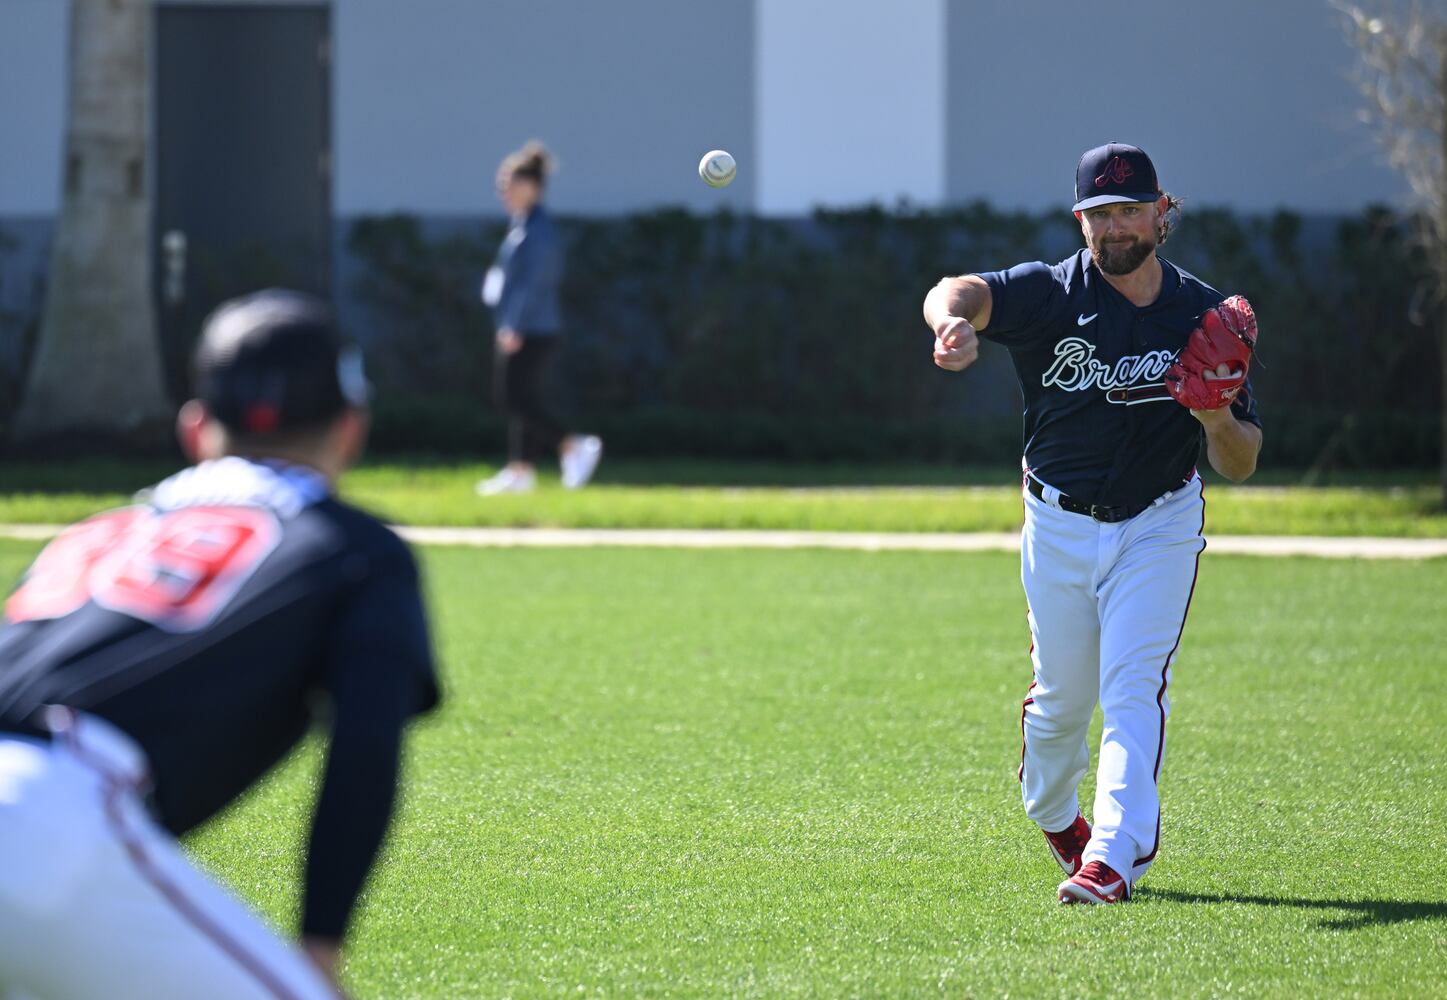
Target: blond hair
x=532 y=162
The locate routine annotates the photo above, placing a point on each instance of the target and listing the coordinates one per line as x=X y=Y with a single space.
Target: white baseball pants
x=1107 y=605
x=96 y=900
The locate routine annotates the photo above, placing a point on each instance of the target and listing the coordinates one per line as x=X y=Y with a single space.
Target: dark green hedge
x=738 y=336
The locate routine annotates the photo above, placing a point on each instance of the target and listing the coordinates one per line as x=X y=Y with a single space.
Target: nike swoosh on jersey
x=1082 y=319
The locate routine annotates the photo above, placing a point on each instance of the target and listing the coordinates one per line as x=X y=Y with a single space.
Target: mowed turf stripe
x=750 y=773
x=864 y=541
x=747 y=773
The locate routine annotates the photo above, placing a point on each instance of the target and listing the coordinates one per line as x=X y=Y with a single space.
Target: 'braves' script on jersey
x=1091 y=364
x=1076 y=369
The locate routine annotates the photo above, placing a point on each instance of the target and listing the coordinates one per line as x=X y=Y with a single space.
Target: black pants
x=518 y=389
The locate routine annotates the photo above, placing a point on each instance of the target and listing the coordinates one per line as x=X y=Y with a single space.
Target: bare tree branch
x=1402 y=76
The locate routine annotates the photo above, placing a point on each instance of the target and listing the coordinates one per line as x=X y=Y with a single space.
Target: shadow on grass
x=1359 y=912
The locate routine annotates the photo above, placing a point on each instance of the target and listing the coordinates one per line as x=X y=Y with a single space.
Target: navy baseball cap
x=1114 y=172
x=275 y=361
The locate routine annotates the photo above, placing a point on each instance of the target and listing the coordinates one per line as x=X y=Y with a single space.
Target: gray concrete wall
x=431 y=94
x=1239 y=102
x=32 y=103
x=850 y=103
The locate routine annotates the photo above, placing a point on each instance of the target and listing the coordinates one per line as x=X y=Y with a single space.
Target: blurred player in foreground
x=158 y=659
x=1106 y=344
x=522 y=289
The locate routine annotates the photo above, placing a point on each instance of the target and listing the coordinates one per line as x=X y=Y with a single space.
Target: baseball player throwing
x=1125 y=361
x=158 y=659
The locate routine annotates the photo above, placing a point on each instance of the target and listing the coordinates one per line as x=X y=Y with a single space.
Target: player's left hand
x=1211 y=369
x=1210 y=417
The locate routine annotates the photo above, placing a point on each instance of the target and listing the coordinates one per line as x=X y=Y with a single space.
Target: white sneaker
x=580 y=461
x=508 y=480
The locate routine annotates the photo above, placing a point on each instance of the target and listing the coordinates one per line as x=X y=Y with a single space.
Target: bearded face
x=1122 y=255
x=1120 y=236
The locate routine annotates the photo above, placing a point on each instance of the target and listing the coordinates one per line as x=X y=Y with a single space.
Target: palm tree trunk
x=97 y=366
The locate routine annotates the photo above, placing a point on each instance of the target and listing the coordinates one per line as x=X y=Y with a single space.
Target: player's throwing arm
x=955 y=309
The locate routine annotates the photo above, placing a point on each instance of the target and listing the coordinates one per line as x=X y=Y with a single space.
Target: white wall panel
x=850 y=102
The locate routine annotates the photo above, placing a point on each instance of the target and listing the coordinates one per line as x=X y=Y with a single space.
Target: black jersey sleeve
x=379 y=673
x=1024 y=301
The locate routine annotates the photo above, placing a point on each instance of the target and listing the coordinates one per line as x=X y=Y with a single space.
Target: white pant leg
x=98 y=901
x=1058 y=569
x=1143 y=602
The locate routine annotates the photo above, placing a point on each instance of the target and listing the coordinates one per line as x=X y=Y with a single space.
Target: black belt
x=1109 y=515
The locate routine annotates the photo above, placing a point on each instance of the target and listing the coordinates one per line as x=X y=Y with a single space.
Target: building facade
x=832 y=102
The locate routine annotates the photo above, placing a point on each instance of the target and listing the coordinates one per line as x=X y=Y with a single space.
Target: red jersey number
x=175 y=569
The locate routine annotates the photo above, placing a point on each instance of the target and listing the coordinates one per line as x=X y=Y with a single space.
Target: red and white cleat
x=1069 y=844
x=1096 y=883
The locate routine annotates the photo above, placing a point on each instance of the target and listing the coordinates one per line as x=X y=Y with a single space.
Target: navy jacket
x=525 y=277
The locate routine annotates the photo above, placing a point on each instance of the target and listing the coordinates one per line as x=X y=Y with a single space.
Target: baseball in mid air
x=717 y=168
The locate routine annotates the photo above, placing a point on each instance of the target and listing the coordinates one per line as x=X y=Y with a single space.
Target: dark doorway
x=243 y=159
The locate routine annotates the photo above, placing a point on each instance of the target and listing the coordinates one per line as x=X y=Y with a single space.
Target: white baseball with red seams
x=717 y=168
x=1107 y=605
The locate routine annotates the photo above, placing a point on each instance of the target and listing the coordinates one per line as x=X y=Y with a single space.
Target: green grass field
x=756 y=495
x=791 y=774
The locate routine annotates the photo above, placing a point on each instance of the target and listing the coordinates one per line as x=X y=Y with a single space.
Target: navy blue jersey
x=1099 y=423
x=213 y=624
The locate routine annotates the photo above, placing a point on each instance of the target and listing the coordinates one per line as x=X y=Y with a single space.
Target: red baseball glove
x=1227 y=335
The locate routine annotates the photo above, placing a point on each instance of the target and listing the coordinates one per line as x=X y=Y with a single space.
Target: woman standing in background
x=522 y=290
